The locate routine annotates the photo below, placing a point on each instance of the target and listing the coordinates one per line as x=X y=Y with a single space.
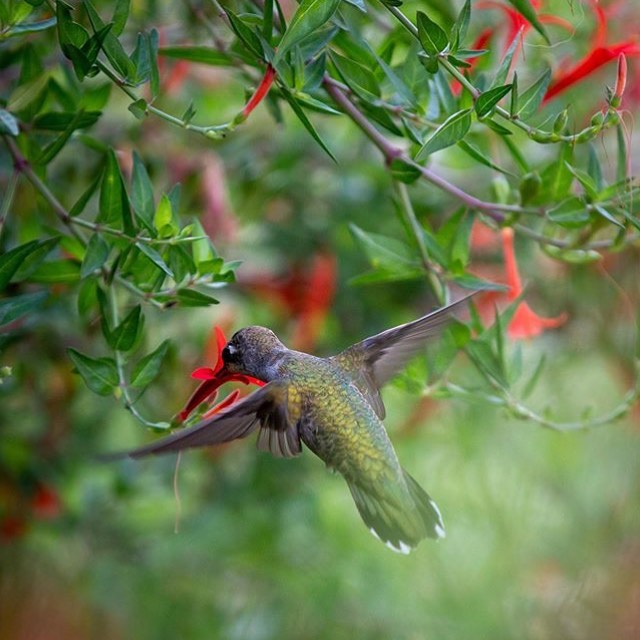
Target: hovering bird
x=333 y=406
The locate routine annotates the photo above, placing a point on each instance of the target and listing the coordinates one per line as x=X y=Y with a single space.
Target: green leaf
x=163 y=219
x=54 y=148
x=142 y=193
x=505 y=65
x=460 y=27
x=155 y=257
x=147 y=369
x=30 y=27
x=358 y=78
x=120 y=16
x=201 y=249
x=245 y=34
x=433 y=38
x=8 y=123
x=126 y=334
x=297 y=109
x=35 y=258
x=11 y=260
x=28 y=93
x=529 y=101
x=556 y=177
x=17 y=306
x=114 y=203
x=391 y=259
x=193 y=298
x=139 y=108
x=487 y=100
x=474 y=152
x=622 y=156
x=95 y=256
x=309 y=17
x=607 y=216
x=111 y=45
x=56 y=272
x=82 y=201
x=594 y=168
x=99 y=374
x=571 y=213
x=61 y=120
x=526 y=9
x=451 y=131
x=585 y=180
x=535 y=376
x=200 y=54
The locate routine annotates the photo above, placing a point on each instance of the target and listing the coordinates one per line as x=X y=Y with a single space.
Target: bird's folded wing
x=266 y=408
x=375 y=360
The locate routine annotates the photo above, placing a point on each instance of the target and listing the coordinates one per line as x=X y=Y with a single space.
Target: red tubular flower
x=591 y=62
x=213 y=378
x=525 y=323
x=599 y=55
x=261 y=91
x=518 y=25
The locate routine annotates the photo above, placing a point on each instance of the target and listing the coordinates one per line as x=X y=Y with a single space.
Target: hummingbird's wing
x=272 y=408
x=375 y=360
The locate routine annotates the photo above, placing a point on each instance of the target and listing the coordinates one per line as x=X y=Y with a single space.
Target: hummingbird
x=333 y=406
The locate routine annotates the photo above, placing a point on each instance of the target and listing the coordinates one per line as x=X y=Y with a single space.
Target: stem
x=520 y=411
x=123 y=385
x=431 y=268
x=499 y=212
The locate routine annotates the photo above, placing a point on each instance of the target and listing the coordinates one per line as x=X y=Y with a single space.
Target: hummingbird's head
x=251 y=351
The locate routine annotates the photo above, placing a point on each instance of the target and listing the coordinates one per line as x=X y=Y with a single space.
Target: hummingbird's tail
x=400 y=525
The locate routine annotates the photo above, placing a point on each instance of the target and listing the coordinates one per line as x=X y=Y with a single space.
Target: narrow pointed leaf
x=451 y=131
x=526 y=9
x=99 y=374
x=95 y=256
x=147 y=369
x=297 y=109
x=489 y=99
x=309 y=16
x=530 y=100
x=432 y=36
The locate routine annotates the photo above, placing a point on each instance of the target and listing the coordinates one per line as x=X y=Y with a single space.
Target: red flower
x=599 y=55
x=260 y=92
x=518 y=25
x=525 y=323
x=213 y=379
x=304 y=294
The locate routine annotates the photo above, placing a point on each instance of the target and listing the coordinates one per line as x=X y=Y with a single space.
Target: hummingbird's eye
x=229 y=353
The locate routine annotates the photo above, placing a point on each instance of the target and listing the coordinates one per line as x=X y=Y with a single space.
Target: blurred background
x=543 y=528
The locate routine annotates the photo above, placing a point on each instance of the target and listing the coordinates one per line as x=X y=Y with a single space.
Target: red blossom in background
x=305 y=294
x=517 y=25
x=213 y=378
x=598 y=55
x=525 y=323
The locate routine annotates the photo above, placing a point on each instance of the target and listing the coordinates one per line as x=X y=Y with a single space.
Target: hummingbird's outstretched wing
x=372 y=362
x=272 y=408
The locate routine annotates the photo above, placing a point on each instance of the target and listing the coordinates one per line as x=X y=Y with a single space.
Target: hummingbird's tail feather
x=400 y=526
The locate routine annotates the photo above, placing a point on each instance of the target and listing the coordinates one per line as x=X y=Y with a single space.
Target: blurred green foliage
x=126 y=207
